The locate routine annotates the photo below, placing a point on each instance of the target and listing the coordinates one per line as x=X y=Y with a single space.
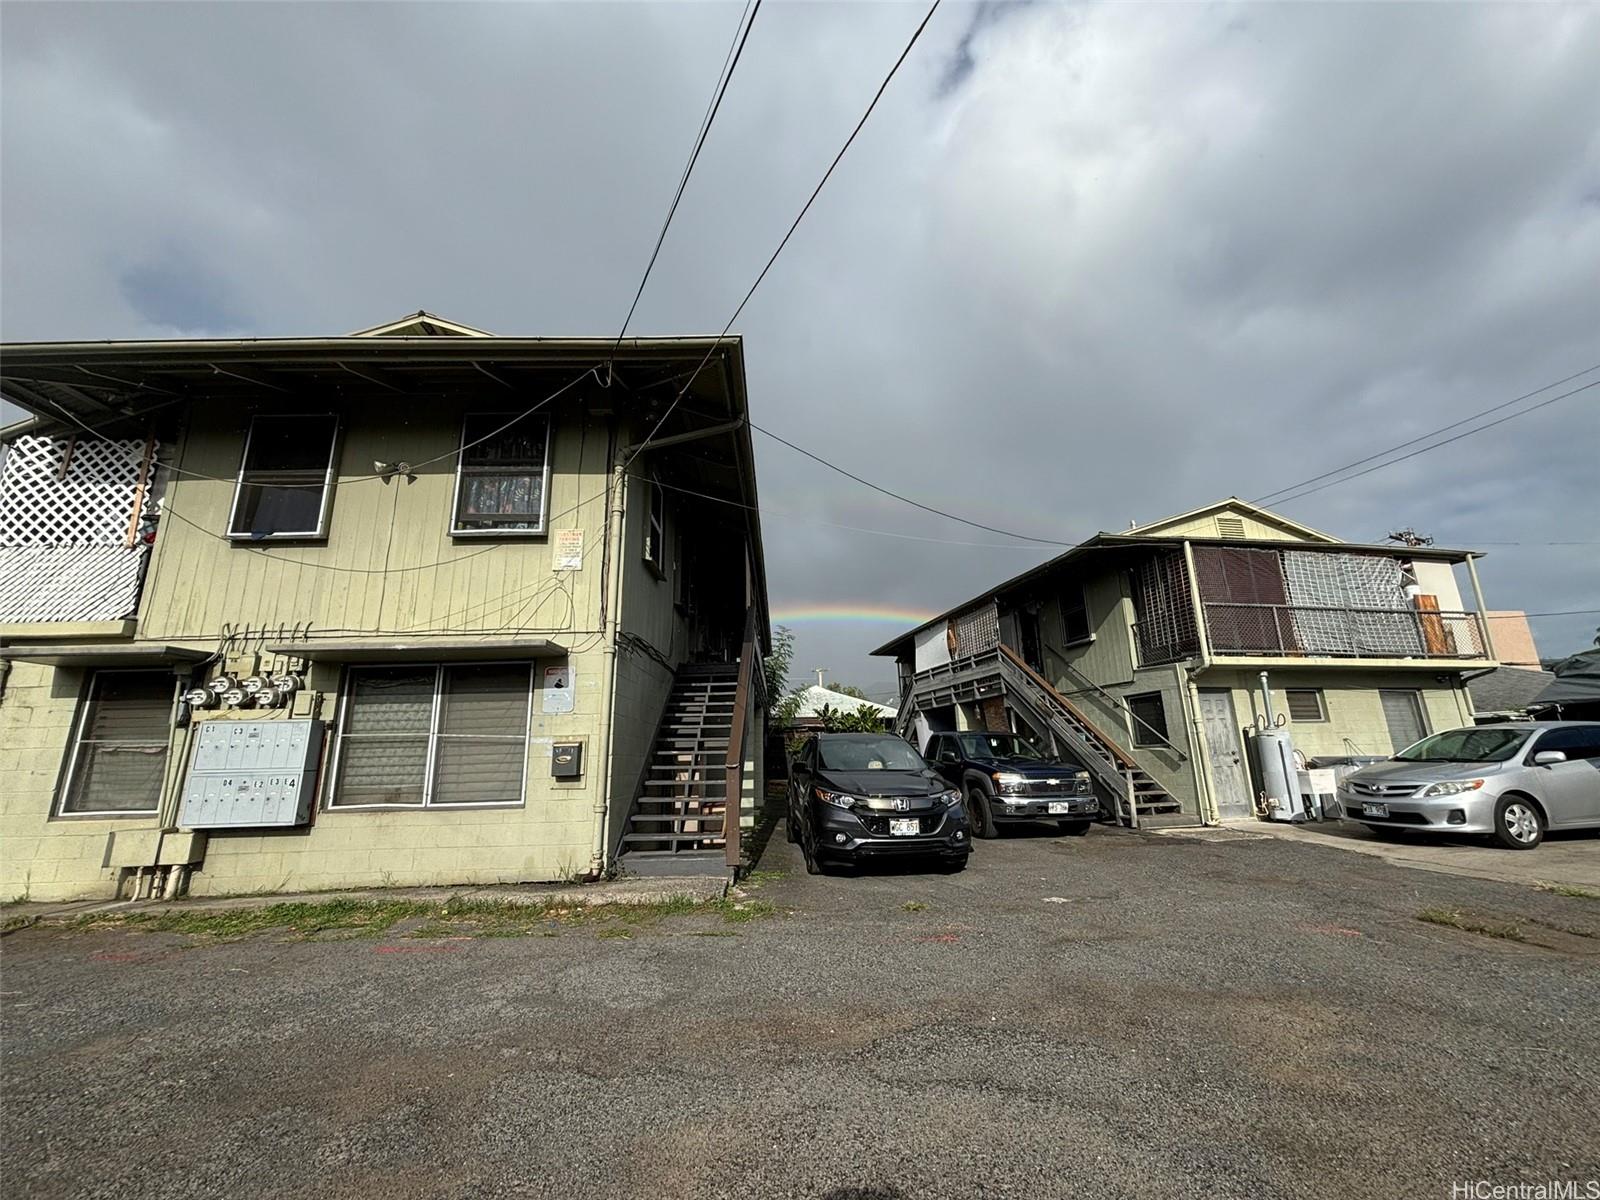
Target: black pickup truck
x=1002 y=777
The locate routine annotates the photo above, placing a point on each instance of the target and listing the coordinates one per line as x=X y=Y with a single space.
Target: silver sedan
x=1512 y=781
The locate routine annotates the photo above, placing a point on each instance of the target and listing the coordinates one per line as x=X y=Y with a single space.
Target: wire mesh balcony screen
x=1165 y=628
x=1343 y=604
x=976 y=631
x=1283 y=630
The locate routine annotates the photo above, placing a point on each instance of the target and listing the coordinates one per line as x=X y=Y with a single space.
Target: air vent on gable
x=1230 y=527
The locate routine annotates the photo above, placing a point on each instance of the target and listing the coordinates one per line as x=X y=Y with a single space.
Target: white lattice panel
x=91 y=503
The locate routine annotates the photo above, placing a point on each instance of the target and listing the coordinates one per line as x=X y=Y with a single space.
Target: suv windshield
x=998 y=745
x=1466 y=746
x=868 y=753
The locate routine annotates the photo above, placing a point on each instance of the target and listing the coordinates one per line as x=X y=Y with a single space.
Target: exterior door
x=1224 y=751
x=1402 y=712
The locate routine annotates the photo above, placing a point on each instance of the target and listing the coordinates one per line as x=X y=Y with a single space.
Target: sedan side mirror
x=1548 y=758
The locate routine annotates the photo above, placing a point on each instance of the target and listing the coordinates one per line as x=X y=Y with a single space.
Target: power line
x=730 y=63
x=826 y=175
x=1436 y=445
x=949 y=516
x=1268 y=498
x=427 y=462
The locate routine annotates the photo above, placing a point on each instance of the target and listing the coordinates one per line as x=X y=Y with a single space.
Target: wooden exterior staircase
x=1126 y=790
x=676 y=826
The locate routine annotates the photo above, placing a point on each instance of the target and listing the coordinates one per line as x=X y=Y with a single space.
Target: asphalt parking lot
x=1116 y=1015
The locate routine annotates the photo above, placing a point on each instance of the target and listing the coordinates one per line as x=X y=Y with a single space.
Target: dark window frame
x=1555 y=735
x=1143 y=730
x=466 y=469
x=1317 y=694
x=1086 y=634
x=74 y=758
x=240 y=483
x=653 y=549
x=336 y=757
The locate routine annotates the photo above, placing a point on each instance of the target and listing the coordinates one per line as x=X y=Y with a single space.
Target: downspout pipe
x=612 y=601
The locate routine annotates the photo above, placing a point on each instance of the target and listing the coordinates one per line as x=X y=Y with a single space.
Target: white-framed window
x=285 y=482
x=1306 y=704
x=119 y=747
x=502 y=476
x=430 y=735
x=655 y=530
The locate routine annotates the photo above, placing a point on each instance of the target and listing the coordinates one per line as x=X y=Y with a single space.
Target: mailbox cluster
x=252 y=774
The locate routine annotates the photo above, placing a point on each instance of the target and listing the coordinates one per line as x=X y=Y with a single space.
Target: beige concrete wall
x=1355 y=723
x=399 y=572
x=1513 y=638
x=42 y=858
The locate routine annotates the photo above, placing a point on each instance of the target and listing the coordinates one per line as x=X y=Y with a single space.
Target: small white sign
x=557 y=690
x=568 y=550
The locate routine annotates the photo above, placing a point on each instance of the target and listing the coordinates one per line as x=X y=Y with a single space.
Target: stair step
x=675 y=839
x=669 y=818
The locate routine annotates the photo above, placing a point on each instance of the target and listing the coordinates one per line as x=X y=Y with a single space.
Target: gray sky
x=1087 y=264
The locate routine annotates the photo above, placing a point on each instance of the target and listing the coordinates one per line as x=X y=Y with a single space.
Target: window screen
x=120 y=754
x=1149 y=718
x=482 y=740
x=431 y=735
x=503 y=476
x=1305 y=704
x=284 y=478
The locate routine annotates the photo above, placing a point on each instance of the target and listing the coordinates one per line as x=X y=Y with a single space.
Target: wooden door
x=1230 y=785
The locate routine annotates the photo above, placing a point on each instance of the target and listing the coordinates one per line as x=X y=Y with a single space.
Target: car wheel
x=978 y=812
x=788 y=826
x=1517 y=823
x=813 y=866
x=1075 y=828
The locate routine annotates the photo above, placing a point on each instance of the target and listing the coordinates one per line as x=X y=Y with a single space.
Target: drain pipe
x=611 y=598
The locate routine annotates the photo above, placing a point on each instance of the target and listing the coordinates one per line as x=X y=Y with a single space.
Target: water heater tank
x=1276 y=777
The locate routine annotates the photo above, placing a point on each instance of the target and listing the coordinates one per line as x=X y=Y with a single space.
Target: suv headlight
x=949 y=798
x=1453 y=787
x=1008 y=783
x=837 y=799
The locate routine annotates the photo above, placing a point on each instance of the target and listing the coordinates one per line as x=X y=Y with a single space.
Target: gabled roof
x=1232 y=506
x=813 y=698
x=422 y=323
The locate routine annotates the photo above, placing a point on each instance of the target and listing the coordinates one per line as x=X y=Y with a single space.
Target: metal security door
x=1229 y=787
x=1402 y=711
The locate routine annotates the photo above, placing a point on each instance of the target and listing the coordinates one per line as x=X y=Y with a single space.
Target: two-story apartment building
x=417 y=605
x=1141 y=654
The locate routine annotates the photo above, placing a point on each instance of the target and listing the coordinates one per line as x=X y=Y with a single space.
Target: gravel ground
x=1115 y=1015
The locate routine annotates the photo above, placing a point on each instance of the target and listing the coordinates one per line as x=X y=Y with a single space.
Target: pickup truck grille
x=1066 y=785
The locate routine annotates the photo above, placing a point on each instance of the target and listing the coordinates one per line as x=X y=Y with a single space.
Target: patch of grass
x=757 y=878
x=455 y=917
x=1569 y=889
x=302 y=918
x=12 y=924
x=914 y=906
x=1454 y=919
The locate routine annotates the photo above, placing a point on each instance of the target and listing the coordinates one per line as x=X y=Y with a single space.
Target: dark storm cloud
x=1086 y=264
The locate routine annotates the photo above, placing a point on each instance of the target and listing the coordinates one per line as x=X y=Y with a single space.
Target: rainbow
x=881 y=614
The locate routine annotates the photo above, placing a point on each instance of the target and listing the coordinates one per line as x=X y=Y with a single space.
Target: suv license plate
x=1374 y=810
x=1059 y=806
x=909 y=827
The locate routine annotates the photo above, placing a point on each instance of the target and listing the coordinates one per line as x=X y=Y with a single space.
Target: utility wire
x=949 y=516
x=730 y=63
x=826 y=175
x=1436 y=445
x=1268 y=498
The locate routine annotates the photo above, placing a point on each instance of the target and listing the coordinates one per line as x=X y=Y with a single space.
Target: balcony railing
x=1296 y=630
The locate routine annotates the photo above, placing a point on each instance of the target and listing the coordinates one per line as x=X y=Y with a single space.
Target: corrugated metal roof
x=96 y=582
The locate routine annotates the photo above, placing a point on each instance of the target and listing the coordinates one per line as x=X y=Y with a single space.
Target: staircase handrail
x=738 y=734
x=1122 y=704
